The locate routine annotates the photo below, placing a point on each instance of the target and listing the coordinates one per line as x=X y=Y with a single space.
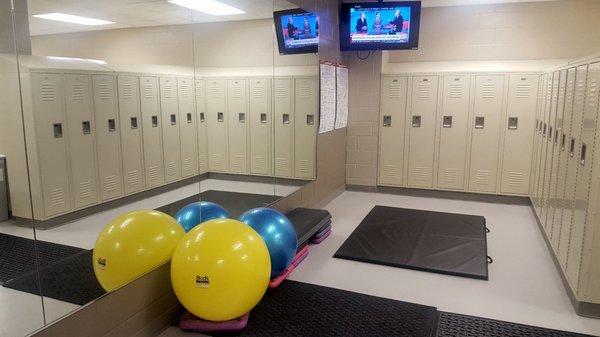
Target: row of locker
x=101 y=136
x=458 y=132
x=566 y=172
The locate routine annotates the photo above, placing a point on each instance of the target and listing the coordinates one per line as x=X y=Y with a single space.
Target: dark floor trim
x=455 y=195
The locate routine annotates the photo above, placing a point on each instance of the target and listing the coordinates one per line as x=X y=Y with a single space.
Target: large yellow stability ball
x=133 y=244
x=220 y=270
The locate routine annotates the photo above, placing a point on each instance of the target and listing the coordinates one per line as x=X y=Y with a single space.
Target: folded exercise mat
x=308 y=222
x=301 y=309
x=193 y=323
x=446 y=243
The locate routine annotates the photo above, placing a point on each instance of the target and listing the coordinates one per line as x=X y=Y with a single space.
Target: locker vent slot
x=85 y=189
x=304 y=90
x=488 y=91
x=451 y=175
x=104 y=91
x=216 y=91
x=110 y=183
x=390 y=171
x=303 y=166
x=260 y=162
x=77 y=92
x=148 y=91
x=184 y=90
x=128 y=91
x=592 y=94
x=57 y=197
x=199 y=92
x=523 y=90
x=482 y=177
x=153 y=173
x=515 y=179
x=48 y=92
x=167 y=91
x=281 y=91
x=187 y=164
x=238 y=162
x=420 y=173
x=237 y=91
x=258 y=90
x=424 y=90
x=171 y=169
x=456 y=91
x=281 y=164
x=134 y=178
x=395 y=90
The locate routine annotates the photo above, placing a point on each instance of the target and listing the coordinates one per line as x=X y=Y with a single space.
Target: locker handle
x=550 y=134
x=112 y=126
x=154 y=121
x=263 y=118
x=572 y=147
x=173 y=119
x=310 y=119
x=556 y=136
x=86 y=127
x=220 y=117
x=447 y=121
x=202 y=117
x=242 y=117
x=387 y=121
x=583 y=153
x=286 y=119
x=416 y=121
x=134 y=123
x=58 y=131
x=563 y=140
x=189 y=118
x=479 y=122
x=513 y=123
x=544 y=130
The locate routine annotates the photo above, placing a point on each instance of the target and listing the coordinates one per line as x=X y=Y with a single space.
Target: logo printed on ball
x=202 y=281
x=101 y=263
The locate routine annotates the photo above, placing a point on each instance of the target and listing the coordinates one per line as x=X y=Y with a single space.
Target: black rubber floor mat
x=456 y=325
x=301 y=309
x=446 y=243
x=71 y=280
x=17 y=255
x=235 y=203
x=308 y=222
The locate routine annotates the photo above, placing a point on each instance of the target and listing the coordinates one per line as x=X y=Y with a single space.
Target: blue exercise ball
x=198 y=212
x=278 y=233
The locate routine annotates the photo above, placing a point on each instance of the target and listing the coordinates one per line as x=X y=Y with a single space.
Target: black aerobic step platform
x=308 y=222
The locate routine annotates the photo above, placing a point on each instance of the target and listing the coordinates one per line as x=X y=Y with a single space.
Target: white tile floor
x=524 y=286
x=21 y=313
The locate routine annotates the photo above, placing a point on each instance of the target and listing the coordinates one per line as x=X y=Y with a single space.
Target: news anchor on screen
x=397 y=22
x=361 y=24
x=291 y=29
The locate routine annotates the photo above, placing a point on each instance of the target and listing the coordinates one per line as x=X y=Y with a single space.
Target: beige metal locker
x=201 y=121
x=188 y=128
x=82 y=146
x=216 y=103
x=538 y=143
x=306 y=113
x=391 y=128
x=544 y=143
x=557 y=157
x=151 y=131
x=422 y=120
x=131 y=133
x=550 y=142
x=50 y=125
x=454 y=122
x=519 y=128
x=237 y=111
x=584 y=161
x=487 y=112
x=108 y=139
x=283 y=124
x=170 y=128
x=565 y=166
x=261 y=126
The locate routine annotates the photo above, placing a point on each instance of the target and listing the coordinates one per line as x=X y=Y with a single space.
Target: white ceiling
x=143 y=13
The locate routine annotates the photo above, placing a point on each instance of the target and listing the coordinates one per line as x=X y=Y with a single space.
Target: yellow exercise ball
x=133 y=244
x=220 y=270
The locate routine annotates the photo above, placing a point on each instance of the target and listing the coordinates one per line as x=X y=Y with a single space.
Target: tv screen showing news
x=380 y=25
x=297 y=31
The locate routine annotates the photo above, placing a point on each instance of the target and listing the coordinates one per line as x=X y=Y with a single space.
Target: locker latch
x=416 y=121
x=58 y=131
x=556 y=136
x=310 y=119
x=582 y=155
x=220 y=117
x=242 y=117
x=112 y=126
x=173 y=119
x=544 y=130
x=387 y=120
x=479 y=122
x=572 y=147
x=563 y=140
x=513 y=123
x=154 y=121
x=189 y=118
x=263 y=118
x=134 y=123
x=550 y=134
x=286 y=119
x=202 y=117
x=447 y=121
x=86 y=127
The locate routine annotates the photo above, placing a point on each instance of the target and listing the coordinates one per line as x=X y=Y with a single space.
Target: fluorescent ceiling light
x=76 y=59
x=211 y=7
x=81 y=20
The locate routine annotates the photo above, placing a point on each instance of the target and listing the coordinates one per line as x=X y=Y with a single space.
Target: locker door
x=305 y=134
x=584 y=168
x=519 y=129
x=557 y=157
x=453 y=132
x=538 y=143
x=487 y=111
x=545 y=115
x=237 y=111
x=50 y=125
x=422 y=131
x=108 y=138
x=216 y=100
x=284 y=127
x=201 y=121
x=151 y=132
x=82 y=147
x=392 y=121
x=131 y=133
x=549 y=152
x=567 y=168
x=261 y=126
x=170 y=128
x=187 y=127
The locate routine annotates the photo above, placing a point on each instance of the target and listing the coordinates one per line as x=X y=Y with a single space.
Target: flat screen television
x=380 y=25
x=297 y=31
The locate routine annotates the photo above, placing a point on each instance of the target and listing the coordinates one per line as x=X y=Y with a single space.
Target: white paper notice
x=341 y=119
x=328 y=97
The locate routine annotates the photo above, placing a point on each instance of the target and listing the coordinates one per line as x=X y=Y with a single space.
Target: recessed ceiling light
x=81 y=20
x=211 y=7
x=76 y=59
